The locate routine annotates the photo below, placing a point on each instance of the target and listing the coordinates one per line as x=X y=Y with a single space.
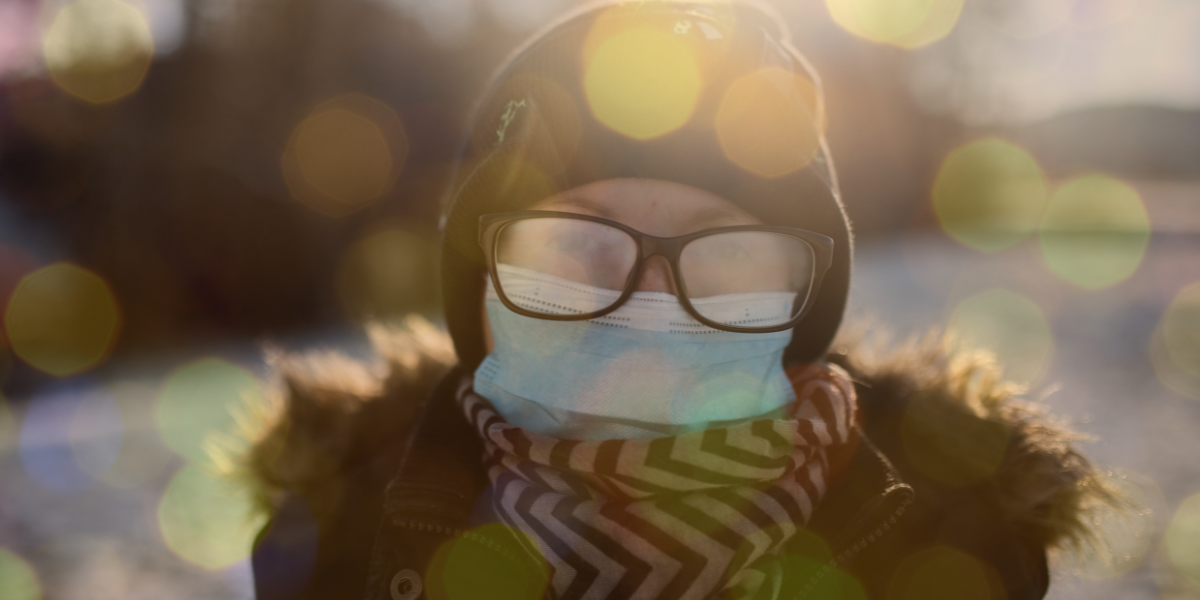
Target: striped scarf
x=685 y=516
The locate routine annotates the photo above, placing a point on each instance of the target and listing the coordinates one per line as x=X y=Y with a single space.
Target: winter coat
x=957 y=488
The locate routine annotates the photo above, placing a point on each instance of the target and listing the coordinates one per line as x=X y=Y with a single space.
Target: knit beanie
x=711 y=95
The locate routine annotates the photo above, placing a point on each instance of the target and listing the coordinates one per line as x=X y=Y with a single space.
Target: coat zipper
x=851 y=550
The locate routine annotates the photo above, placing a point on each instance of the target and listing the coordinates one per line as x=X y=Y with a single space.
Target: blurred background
x=184 y=180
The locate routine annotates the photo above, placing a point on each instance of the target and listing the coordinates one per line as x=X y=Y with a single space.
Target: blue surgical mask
x=646 y=370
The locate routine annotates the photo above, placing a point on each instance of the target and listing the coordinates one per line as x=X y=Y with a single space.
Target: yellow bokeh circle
x=1181 y=329
x=98 y=50
x=62 y=319
x=1182 y=539
x=769 y=122
x=492 y=561
x=206 y=521
x=642 y=82
x=18 y=581
x=345 y=154
x=386 y=273
x=1010 y=325
x=199 y=399
x=1095 y=231
x=902 y=23
x=989 y=194
x=943 y=573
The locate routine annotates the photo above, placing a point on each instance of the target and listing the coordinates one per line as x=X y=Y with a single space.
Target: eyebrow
x=714 y=214
x=702 y=217
x=586 y=204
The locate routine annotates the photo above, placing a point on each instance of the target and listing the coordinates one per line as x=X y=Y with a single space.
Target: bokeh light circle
x=386 y=273
x=902 y=23
x=491 y=561
x=1095 y=231
x=98 y=50
x=345 y=154
x=989 y=194
x=62 y=319
x=943 y=573
x=198 y=399
x=769 y=122
x=1010 y=325
x=1181 y=329
x=206 y=521
x=1182 y=539
x=70 y=435
x=18 y=581
x=642 y=82
x=321 y=146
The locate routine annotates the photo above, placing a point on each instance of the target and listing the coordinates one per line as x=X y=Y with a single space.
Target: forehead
x=652 y=206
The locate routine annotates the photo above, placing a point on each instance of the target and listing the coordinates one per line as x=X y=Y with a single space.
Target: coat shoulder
x=955 y=429
x=329 y=415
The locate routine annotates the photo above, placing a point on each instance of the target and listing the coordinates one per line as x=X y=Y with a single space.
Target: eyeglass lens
x=569 y=266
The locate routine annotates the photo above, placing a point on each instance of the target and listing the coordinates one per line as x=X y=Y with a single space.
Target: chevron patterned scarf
x=685 y=516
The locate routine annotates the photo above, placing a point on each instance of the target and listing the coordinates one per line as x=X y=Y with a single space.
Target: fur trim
x=959 y=424
x=330 y=412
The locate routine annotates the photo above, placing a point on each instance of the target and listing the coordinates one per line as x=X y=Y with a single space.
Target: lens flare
x=18 y=581
x=205 y=521
x=902 y=23
x=769 y=122
x=98 y=50
x=386 y=273
x=1010 y=325
x=197 y=401
x=1095 y=231
x=62 y=319
x=641 y=81
x=1182 y=539
x=1181 y=329
x=809 y=557
x=347 y=153
x=989 y=194
x=943 y=572
x=470 y=566
x=1175 y=346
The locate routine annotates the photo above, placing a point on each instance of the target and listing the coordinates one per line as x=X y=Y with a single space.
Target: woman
x=645 y=262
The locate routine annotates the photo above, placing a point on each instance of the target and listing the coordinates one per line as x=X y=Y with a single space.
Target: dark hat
x=711 y=95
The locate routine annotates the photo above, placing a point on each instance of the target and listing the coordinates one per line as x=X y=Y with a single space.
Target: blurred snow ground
x=88 y=469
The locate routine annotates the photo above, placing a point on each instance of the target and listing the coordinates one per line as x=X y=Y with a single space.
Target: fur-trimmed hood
x=943 y=416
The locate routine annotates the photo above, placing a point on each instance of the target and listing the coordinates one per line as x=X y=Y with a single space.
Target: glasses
x=572 y=267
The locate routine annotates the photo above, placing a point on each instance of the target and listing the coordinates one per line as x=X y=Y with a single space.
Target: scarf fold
x=689 y=516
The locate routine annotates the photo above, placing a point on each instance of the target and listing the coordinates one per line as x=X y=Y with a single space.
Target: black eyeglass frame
x=670 y=249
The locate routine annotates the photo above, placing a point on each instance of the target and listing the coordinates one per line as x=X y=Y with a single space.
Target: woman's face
x=652 y=206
